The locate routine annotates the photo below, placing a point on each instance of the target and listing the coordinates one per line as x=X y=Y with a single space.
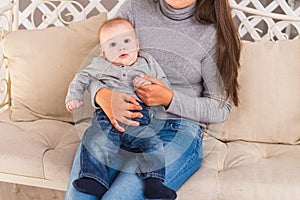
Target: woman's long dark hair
x=218 y=12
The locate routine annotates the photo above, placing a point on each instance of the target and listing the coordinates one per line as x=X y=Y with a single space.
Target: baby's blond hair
x=112 y=22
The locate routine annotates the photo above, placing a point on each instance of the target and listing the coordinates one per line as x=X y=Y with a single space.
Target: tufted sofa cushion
x=245 y=170
x=42 y=63
x=41 y=149
x=269 y=95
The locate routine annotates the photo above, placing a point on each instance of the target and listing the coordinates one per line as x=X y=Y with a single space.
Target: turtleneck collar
x=177 y=14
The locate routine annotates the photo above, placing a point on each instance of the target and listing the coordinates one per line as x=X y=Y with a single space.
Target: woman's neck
x=177 y=14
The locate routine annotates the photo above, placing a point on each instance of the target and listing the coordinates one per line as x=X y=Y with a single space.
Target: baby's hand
x=139 y=81
x=73 y=104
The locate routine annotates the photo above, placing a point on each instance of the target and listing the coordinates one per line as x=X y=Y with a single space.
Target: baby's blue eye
x=126 y=41
x=113 y=44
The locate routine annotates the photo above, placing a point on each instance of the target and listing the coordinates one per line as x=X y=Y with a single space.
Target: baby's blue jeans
x=105 y=149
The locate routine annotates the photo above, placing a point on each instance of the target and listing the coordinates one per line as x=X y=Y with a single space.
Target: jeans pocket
x=182 y=125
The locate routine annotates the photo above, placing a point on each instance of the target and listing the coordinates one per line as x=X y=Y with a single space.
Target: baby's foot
x=90 y=186
x=155 y=189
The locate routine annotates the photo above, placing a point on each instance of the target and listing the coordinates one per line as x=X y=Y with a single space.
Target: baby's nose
x=122 y=48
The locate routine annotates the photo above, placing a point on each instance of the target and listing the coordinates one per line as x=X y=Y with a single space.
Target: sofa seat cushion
x=245 y=170
x=40 y=149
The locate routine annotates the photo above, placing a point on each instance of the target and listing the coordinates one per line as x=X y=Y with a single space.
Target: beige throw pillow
x=41 y=65
x=269 y=109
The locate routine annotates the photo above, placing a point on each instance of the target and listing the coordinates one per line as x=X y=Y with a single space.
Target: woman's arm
x=202 y=109
x=212 y=107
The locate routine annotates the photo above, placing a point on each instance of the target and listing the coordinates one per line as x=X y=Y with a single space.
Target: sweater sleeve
x=80 y=83
x=94 y=86
x=202 y=109
x=211 y=106
x=77 y=87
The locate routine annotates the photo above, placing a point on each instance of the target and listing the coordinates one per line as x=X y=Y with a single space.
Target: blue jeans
x=103 y=147
x=183 y=156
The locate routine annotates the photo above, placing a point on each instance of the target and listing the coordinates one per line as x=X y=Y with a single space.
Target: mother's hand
x=117 y=106
x=155 y=94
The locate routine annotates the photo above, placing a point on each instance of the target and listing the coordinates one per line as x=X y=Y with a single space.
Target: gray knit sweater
x=186 y=51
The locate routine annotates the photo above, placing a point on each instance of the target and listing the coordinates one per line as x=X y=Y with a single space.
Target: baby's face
x=119 y=44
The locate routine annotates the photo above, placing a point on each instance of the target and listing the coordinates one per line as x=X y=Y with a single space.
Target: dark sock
x=155 y=189
x=89 y=186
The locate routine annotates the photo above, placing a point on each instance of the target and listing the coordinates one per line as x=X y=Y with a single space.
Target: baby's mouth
x=123 y=55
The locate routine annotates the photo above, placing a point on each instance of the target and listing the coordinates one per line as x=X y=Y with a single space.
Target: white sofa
x=254 y=154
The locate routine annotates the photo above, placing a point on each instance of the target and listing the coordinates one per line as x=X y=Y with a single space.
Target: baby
x=121 y=69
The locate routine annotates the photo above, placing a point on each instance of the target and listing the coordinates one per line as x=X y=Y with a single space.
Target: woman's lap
x=183 y=158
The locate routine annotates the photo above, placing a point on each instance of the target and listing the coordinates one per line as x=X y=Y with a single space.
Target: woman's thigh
x=183 y=150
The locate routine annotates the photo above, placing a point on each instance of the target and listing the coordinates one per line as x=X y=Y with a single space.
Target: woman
x=197 y=45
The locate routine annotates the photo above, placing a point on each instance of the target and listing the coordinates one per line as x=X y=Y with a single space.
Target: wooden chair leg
x=15 y=188
x=54 y=195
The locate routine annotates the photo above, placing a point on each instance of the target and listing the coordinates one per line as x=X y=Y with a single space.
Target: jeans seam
x=151 y=175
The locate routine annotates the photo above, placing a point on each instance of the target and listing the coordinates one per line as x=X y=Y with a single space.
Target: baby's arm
x=74 y=98
x=80 y=82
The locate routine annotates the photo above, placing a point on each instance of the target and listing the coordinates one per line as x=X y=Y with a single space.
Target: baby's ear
x=102 y=52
